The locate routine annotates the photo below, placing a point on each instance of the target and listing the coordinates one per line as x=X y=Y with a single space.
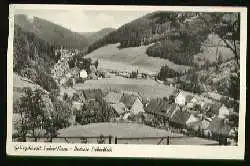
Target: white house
x=192 y=119
x=137 y=107
x=180 y=99
x=83 y=74
x=223 y=112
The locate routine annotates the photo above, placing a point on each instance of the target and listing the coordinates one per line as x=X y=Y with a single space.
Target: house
x=113 y=97
x=158 y=108
x=128 y=100
x=83 y=74
x=200 y=125
x=192 y=119
x=92 y=93
x=137 y=107
x=179 y=118
x=180 y=99
x=77 y=105
x=223 y=112
x=219 y=127
x=120 y=108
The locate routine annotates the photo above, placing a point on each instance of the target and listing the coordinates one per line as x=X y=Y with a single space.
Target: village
x=204 y=115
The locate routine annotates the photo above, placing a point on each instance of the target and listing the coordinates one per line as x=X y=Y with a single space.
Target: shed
x=223 y=112
x=83 y=74
x=137 y=107
x=128 y=100
x=180 y=99
x=113 y=97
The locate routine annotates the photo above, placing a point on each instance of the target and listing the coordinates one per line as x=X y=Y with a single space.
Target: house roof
x=128 y=100
x=189 y=98
x=215 y=107
x=137 y=107
x=157 y=105
x=92 y=93
x=219 y=127
x=171 y=110
x=203 y=124
x=119 y=107
x=113 y=97
x=180 y=117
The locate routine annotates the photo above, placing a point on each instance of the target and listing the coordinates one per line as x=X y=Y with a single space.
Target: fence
x=99 y=139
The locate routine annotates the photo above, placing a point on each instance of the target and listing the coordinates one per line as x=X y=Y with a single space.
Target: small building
x=180 y=99
x=223 y=112
x=113 y=97
x=119 y=108
x=218 y=127
x=192 y=119
x=83 y=74
x=179 y=119
x=137 y=107
x=77 y=105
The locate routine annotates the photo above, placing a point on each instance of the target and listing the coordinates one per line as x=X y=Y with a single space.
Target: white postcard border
x=119 y=150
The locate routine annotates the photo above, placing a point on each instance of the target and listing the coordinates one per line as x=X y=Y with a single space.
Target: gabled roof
x=203 y=124
x=128 y=100
x=113 y=97
x=215 y=107
x=180 y=117
x=119 y=108
x=171 y=110
x=219 y=127
x=137 y=107
x=92 y=93
x=157 y=105
x=189 y=98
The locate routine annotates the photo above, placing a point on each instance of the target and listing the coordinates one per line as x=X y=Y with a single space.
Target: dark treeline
x=53 y=34
x=32 y=58
x=173 y=38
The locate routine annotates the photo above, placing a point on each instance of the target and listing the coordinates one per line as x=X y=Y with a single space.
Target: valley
x=154 y=78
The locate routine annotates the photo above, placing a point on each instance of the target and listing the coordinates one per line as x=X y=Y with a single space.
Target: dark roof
x=92 y=93
x=203 y=124
x=180 y=117
x=128 y=100
x=215 y=107
x=173 y=107
x=189 y=98
x=157 y=105
x=219 y=127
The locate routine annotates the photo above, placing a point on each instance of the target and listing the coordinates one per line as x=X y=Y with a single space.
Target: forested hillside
x=53 y=34
x=95 y=36
x=175 y=35
x=33 y=57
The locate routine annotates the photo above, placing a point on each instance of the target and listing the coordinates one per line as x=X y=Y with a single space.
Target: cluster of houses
x=178 y=112
x=62 y=73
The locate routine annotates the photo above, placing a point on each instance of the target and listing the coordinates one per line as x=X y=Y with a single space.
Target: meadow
x=131 y=59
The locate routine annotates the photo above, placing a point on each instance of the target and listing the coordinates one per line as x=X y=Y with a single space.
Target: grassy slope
x=19 y=83
x=209 y=50
x=130 y=59
x=146 y=88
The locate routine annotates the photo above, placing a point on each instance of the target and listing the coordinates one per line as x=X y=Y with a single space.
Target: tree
x=133 y=74
x=167 y=72
x=227 y=27
x=35 y=109
x=96 y=63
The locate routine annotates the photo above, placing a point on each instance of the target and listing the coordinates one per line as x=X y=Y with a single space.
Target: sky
x=84 y=20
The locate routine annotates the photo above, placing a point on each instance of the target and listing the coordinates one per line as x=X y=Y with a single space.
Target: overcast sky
x=84 y=20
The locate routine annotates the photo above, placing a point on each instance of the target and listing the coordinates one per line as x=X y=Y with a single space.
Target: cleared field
x=130 y=59
x=115 y=129
x=147 y=88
